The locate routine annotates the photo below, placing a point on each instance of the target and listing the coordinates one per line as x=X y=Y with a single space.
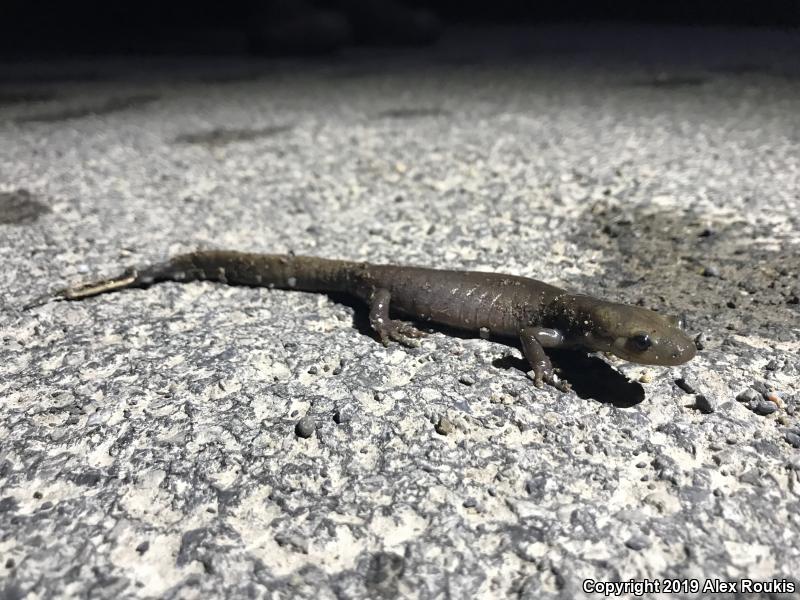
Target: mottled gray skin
x=540 y=315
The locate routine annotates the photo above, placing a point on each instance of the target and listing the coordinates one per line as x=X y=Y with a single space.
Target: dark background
x=149 y=26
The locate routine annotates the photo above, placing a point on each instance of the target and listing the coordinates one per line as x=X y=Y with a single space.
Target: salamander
x=538 y=314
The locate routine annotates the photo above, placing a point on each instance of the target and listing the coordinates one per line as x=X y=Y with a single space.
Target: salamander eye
x=641 y=341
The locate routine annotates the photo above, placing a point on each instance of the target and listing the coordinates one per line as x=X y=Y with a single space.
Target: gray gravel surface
x=197 y=441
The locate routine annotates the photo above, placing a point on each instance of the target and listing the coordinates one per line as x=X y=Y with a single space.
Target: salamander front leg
x=534 y=340
x=390 y=329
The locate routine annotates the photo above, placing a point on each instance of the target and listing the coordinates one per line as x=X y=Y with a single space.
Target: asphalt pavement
x=201 y=440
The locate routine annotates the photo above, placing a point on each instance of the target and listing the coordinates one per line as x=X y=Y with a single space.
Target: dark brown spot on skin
x=110 y=106
x=412 y=113
x=20 y=208
x=222 y=137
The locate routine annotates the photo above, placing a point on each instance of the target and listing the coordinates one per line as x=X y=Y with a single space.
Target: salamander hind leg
x=533 y=339
x=390 y=329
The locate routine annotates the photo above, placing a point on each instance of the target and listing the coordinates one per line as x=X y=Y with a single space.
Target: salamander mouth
x=680 y=354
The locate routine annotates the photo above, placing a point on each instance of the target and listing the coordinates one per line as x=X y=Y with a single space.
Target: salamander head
x=635 y=334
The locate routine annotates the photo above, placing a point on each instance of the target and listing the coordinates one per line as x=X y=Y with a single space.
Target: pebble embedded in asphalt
x=705 y=404
x=305 y=427
x=762 y=407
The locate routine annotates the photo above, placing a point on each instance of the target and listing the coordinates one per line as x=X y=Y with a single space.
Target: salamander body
x=538 y=314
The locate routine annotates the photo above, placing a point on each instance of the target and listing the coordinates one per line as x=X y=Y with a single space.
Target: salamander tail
x=129 y=278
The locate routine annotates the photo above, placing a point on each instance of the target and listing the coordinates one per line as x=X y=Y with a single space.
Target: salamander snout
x=640 y=335
x=656 y=347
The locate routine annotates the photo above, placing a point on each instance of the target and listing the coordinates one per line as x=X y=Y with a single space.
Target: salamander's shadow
x=590 y=377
